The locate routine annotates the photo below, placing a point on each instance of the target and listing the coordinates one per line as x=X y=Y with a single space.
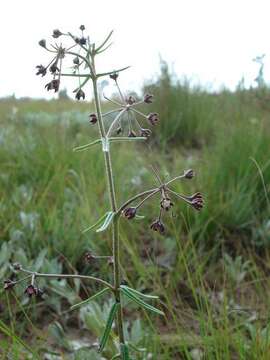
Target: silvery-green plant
x=125 y=126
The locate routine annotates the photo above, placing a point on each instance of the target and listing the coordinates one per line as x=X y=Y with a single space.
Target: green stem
x=115 y=225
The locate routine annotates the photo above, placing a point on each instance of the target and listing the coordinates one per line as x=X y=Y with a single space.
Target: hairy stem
x=65 y=276
x=111 y=189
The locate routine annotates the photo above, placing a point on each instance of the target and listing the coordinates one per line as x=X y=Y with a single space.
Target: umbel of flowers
x=127 y=123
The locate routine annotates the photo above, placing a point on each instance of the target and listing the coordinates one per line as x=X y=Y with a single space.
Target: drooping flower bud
x=158 y=226
x=131 y=100
x=93 y=118
x=56 y=33
x=31 y=290
x=196 y=200
x=129 y=213
x=146 y=133
x=76 y=60
x=189 y=174
x=41 y=70
x=114 y=76
x=148 y=98
x=54 y=68
x=153 y=118
x=8 y=284
x=80 y=94
x=42 y=43
x=53 y=85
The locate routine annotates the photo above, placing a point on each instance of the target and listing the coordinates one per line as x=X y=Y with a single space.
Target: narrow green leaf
x=136 y=292
x=140 y=302
x=85 y=302
x=107 y=221
x=104 y=42
x=125 y=138
x=86 y=146
x=108 y=327
x=8 y=332
x=124 y=351
x=96 y=223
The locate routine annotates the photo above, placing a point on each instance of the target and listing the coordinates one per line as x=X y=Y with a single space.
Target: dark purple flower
x=148 y=99
x=41 y=70
x=82 y=41
x=196 y=200
x=76 y=60
x=82 y=27
x=89 y=256
x=189 y=174
x=8 y=284
x=131 y=100
x=145 y=132
x=80 y=94
x=42 y=43
x=114 y=76
x=56 y=33
x=53 y=85
x=31 y=290
x=130 y=213
x=153 y=118
x=93 y=118
x=158 y=226
x=54 y=68
x=166 y=204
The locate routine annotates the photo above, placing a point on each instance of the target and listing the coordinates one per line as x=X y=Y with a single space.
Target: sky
x=211 y=42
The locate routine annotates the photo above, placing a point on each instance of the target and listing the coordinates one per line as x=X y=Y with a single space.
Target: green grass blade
x=140 y=302
x=108 y=327
x=124 y=351
x=107 y=221
x=85 y=302
x=96 y=223
x=6 y=331
x=87 y=146
x=136 y=292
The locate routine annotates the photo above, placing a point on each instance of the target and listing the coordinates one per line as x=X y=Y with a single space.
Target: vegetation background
x=210 y=269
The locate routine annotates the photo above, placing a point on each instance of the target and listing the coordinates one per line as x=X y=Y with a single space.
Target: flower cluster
x=54 y=67
x=127 y=113
x=196 y=201
x=31 y=289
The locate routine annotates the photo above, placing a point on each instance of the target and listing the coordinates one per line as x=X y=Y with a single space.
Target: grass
x=210 y=269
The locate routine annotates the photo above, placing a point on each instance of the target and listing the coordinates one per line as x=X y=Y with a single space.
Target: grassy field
x=210 y=269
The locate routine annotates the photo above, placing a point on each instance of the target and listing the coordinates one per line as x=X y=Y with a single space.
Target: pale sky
x=213 y=42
